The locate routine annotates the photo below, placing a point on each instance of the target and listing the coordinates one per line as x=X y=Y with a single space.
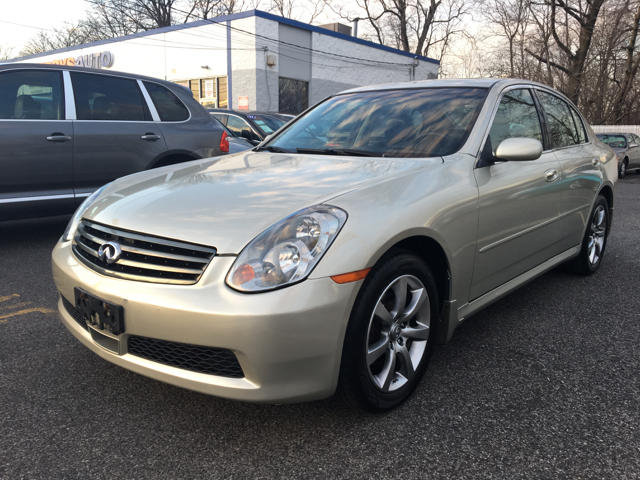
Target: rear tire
x=594 y=242
x=390 y=335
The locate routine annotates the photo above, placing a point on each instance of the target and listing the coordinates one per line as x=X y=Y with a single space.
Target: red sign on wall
x=243 y=103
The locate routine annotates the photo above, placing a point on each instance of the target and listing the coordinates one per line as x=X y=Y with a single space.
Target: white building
x=252 y=60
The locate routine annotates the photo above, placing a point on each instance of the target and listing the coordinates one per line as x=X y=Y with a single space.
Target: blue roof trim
x=226 y=18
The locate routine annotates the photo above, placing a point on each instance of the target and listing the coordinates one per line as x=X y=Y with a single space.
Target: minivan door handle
x=150 y=136
x=58 y=137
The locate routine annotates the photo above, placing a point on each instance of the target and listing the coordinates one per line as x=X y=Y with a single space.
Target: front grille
x=144 y=258
x=209 y=360
x=74 y=312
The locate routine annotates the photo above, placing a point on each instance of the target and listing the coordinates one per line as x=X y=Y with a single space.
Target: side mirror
x=246 y=133
x=519 y=149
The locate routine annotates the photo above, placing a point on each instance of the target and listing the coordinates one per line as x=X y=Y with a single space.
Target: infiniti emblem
x=109 y=252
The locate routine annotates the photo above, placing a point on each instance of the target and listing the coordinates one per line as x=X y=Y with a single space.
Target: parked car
x=336 y=254
x=236 y=144
x=65 y=131
x=627 y=147
x=254 y=126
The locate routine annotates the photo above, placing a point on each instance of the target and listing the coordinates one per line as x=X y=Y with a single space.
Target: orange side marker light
x=351 y=277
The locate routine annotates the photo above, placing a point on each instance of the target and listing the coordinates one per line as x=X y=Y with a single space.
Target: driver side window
x=516 y=117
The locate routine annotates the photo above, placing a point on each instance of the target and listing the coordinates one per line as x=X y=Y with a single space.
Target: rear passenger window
x=562 y=129
x=582 y=136
x=516 y=117
x=168 y=105
x=101 y=97
x=31 y=95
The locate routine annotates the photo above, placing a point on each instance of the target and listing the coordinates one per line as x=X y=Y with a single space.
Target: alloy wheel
x=398 y=333
x=597 y=230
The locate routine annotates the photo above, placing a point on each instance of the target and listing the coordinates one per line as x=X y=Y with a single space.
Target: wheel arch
x=607 y=192
x=435 y=256
x=172 y=157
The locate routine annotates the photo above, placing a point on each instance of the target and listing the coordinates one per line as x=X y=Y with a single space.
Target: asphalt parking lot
x=544 y=384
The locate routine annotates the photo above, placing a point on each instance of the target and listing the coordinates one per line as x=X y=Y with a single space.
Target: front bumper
x=288 y=342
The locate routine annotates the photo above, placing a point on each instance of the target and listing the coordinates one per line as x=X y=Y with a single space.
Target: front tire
x=390 y=335
x=594 y=242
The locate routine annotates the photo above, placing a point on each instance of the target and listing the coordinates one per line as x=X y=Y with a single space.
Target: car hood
x=225 y=202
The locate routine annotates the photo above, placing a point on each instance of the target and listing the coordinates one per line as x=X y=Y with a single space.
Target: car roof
x=443 y=83
x=46 y=66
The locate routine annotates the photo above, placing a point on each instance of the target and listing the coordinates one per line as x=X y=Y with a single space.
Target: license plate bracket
x=99 y=313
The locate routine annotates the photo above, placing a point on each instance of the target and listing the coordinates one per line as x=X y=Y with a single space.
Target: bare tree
x=67 y=36
x=411 y=25
x=6 y=52
x=137 y=15
x=510 y=17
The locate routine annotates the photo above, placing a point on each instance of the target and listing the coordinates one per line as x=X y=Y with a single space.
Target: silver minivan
x=65 y=131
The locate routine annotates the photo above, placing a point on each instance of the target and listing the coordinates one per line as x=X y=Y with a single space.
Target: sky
x=45 y=14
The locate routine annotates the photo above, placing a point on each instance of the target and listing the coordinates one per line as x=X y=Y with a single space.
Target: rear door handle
x=551 y=175
x=58 y=137
x=150 y=136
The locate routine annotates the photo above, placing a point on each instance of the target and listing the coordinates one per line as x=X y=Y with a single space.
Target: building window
x=293 y=96
x=210 y=92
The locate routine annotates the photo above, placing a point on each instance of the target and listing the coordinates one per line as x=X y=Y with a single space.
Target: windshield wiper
x=339 y=151
x=272 y=149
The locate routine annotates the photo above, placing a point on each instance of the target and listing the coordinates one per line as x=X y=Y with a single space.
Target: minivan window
x=414 y=123
x=31 y=95
x=101 y=97
x=516 y=117
x=168 y=105
x=562 y=129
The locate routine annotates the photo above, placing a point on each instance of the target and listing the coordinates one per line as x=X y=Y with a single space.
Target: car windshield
x=614 y=141
x=268 y=123
x=412 y=123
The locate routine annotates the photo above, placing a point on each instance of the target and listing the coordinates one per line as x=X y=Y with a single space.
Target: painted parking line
x=9 y=297
x=4 y=317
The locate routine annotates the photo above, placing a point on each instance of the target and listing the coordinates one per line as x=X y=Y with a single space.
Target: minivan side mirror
x=519 y=149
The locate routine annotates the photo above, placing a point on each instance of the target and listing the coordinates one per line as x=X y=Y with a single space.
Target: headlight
x=70 y=231
x=288 y=251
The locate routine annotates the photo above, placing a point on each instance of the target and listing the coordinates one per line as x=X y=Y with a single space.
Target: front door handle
x=150 y=136
x=551 y=175
x=58 y=137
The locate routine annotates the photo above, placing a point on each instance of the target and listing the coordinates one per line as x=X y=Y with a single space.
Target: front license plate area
x=99 y=313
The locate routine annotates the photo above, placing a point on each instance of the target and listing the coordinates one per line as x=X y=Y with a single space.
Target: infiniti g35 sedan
x=331 y=258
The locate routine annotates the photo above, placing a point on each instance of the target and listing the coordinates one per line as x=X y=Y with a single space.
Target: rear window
x=168 y=105
x=398 y=123
x=614 y=141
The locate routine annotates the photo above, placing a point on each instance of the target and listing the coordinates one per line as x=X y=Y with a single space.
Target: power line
x=28 y=26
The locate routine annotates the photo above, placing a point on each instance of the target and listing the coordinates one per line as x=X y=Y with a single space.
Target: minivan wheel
x=594 y=242
x=390 y=335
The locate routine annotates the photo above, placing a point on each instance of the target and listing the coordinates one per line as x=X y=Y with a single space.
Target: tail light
x=224 y=143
